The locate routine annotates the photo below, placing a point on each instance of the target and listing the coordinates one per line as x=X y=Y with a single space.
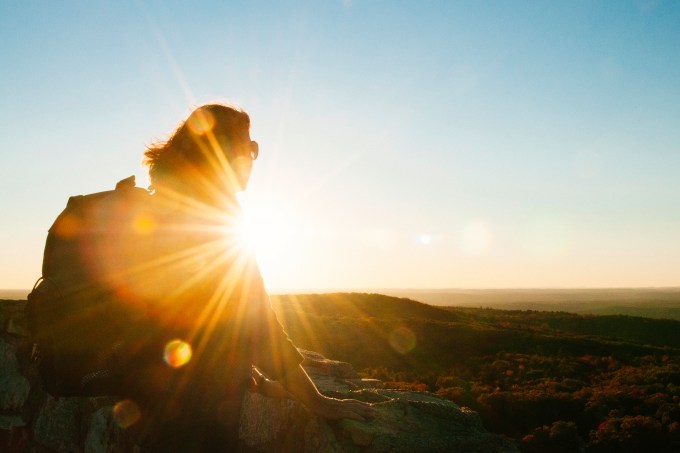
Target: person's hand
x=335 y=409
x=267 y=387
x=298 y=383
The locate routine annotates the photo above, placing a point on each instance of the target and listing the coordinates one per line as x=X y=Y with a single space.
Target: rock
x=263 y=420
x=366 y=383
x=408 y=422
x=413 y=422
x=9 y=422
x=13 y=317
x=103 y=434
x=58 y=425
x=361 y=433
x=14 y=387
x=405 y=421
x=333 y=375
x=324 y=366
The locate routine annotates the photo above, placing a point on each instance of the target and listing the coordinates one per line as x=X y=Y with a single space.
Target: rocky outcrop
x=32 y=421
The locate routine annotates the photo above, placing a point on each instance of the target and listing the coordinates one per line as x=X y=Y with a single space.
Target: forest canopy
x=552 y=381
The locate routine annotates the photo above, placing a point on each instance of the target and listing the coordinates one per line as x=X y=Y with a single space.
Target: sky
x=403 y=144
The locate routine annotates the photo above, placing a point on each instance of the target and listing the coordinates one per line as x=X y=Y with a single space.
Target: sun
x=270 y=231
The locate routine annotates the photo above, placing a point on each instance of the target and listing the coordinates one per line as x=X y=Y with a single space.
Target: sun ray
x=301 y=311
x=211 y=315
x=305 y=323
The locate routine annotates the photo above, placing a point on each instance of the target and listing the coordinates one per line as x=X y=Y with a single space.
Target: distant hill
x=647 y=302
x=364 y=328
x=361 y=305
x=14 y=294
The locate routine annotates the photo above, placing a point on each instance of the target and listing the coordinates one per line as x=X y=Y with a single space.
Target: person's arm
x=276 y=355
x=298 y=383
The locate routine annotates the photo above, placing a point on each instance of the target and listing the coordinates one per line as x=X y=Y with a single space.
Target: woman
x=205 y=293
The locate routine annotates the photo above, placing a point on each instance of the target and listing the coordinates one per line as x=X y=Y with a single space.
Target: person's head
x=209 y=155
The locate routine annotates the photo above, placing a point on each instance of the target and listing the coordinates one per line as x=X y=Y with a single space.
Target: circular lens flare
x=126 y=413
x=177 y=353
x=201 y=122
x=402 y=340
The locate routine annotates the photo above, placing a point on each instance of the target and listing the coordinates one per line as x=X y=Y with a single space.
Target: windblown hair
x=209 y=129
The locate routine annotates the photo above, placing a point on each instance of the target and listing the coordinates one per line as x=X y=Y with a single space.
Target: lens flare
x=201 y=122
x=402 y=340
x=177 y=353
x=126 y=413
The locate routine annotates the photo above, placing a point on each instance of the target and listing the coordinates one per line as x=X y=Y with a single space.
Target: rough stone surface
x=32 y=421
x=14 y=387
x=58 y=424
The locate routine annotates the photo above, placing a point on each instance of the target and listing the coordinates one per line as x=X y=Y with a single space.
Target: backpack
x=80 y=323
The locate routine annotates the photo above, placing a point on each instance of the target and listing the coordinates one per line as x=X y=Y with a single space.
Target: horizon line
x=281 y=291
x=443 y=288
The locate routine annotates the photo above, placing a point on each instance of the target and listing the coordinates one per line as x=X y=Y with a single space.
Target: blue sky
x=403 y=144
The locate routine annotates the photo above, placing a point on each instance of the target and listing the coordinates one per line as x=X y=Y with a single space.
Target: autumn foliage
x=551 y=381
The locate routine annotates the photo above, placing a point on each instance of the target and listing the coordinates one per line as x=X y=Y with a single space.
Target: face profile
x=241 y=162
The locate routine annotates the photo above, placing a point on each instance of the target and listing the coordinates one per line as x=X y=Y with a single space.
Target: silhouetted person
x=200 y=295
